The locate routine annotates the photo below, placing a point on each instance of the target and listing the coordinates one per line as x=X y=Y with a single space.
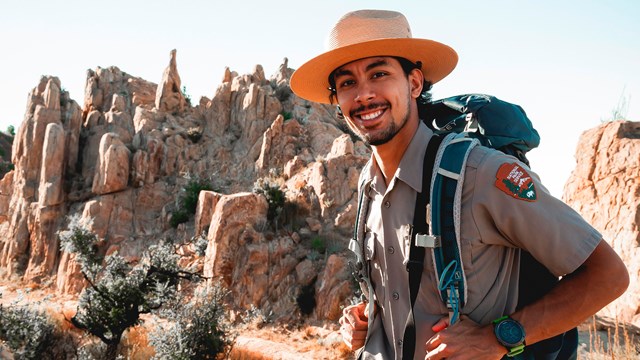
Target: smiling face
x=377 y=99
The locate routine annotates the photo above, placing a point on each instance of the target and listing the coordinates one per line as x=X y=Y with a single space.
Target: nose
x=364 y=93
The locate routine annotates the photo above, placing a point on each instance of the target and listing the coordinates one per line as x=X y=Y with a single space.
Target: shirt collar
x=410 y=168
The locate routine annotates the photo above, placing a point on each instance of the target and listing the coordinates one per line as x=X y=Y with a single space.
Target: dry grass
x=612 y=341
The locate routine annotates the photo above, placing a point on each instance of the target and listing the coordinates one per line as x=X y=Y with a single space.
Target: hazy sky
x=567 y=63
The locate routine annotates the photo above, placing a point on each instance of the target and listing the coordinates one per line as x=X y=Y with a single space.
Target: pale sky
x=567 y=63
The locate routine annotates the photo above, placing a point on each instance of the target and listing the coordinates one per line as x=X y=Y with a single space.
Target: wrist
x=510 y=334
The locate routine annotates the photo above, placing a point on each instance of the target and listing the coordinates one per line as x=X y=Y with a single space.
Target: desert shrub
x=5 y=167
x=186 y=96
x=318 y=244
x=28 y=333
x=286 y=115
x=191 y=192
x=118 y=292
x=200 y=329
x=272 y=191
x=178 y=217
x=188 y=201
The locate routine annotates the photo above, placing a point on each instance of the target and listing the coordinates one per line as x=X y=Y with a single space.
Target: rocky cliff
x=124 y=157
x=605 y=189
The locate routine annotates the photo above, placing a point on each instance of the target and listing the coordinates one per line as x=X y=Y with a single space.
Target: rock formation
x=605 y=189
x=124 y=158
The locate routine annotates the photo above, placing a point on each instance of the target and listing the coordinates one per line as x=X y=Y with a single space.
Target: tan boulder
x=112 y=172
x=207 y=201
x=333 y=288
x=605 y=189
x=50 y=191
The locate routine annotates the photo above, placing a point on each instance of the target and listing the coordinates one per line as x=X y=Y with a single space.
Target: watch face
x=510 y=333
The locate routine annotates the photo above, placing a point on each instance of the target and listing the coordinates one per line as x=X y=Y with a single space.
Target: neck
x=389 y=155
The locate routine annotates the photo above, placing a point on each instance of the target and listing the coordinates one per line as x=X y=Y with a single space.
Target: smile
x=371 y=116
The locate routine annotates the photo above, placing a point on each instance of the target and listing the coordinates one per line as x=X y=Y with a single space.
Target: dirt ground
x=301 y=341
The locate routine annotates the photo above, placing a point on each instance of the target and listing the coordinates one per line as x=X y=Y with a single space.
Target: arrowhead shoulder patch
x=515 y=181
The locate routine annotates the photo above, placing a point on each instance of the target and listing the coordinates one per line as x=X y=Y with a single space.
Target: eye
x=346 y=83
x=379 y=74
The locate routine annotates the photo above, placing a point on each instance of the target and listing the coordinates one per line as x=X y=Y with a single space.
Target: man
x=376 y=71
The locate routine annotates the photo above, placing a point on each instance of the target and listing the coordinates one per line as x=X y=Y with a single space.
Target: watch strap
x=511 y=351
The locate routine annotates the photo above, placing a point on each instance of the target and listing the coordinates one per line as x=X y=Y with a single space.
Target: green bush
x=200 y=329
x=178 y=217
x=192 y=192
x=318 y=244
x=188 y=201
x=27 y=333
x=118 y=292
x=275 y=197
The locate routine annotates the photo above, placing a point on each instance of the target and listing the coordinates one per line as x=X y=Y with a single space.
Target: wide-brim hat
x=366 y=33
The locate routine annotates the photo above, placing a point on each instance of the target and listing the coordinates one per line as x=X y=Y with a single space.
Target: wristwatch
x=510 y=334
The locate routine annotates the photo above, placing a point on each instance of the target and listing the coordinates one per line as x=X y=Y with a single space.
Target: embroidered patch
x=514 y=180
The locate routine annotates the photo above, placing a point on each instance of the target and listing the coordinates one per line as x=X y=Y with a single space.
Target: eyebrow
x=373 y=65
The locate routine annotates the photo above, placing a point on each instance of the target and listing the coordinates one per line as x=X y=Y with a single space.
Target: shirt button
x=391 y=250
x=399 y=342
x=387 y=204
x=396 y=296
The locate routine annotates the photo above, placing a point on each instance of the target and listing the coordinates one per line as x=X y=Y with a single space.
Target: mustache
x=371 y=106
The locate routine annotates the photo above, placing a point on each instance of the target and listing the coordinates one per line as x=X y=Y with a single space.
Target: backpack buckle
x=428 y=241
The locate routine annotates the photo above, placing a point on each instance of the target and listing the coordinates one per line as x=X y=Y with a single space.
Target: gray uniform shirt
x=493 y=226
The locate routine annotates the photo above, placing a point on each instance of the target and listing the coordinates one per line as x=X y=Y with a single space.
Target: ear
x=416 y=81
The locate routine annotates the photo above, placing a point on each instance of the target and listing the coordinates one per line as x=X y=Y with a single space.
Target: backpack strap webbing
x=420 y=228
x=446 y=192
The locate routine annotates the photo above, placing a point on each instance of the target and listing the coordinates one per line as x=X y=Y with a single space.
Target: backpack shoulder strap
x=446 y=193
x=419 y=232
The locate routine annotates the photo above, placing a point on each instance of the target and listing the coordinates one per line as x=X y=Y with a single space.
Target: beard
x=385 y=135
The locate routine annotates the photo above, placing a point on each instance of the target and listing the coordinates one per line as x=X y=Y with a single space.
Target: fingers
x=440 y=352
x=355 y=316
x=353 y=325
x=354 y=339
x=440 y=325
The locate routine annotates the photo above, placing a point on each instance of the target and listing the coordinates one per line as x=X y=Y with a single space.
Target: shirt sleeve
x=511 y=207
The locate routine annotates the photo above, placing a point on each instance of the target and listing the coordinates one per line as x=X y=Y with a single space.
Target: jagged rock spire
x=169 y=95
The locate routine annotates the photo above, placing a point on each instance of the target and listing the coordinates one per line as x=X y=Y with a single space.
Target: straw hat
x=365 y=33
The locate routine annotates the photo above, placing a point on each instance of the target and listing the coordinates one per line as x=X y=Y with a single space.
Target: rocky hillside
x=124 y=158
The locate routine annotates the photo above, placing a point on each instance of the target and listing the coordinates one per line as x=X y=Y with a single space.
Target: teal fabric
x=500 y=123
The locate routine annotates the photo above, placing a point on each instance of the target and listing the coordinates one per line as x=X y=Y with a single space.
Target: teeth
x=371 y=115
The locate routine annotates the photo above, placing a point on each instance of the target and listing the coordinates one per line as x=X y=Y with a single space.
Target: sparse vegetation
x=186 y=96
x=618 y=343
x=286 y=115
x=28 y=333
x=11 y=130
x=318 y=244
x=188 y=201
x=200 y=330
x=621 y=110
x=272 y=190
x=118 y=292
